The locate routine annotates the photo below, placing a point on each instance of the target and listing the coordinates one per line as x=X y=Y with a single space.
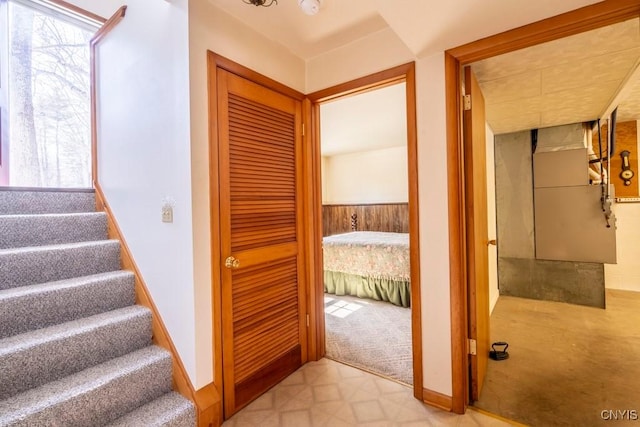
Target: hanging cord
x=611 y=149
x=603 y=185
x=611 y=146
x=600 y=162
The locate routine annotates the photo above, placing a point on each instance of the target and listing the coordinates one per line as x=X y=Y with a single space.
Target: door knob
x=232 y=262
x=492 y=242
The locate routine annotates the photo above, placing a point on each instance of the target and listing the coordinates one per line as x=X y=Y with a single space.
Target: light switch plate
x=167 y=213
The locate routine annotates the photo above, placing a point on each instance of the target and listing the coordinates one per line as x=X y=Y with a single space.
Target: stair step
x=32 y=359
x=28 y=308
x=169 y=410
x=18 y=231
x=95 y=396
x=42 y=201
x=41 y=264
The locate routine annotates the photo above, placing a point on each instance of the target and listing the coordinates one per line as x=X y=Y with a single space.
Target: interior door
x=263 y=299
x=477 y=235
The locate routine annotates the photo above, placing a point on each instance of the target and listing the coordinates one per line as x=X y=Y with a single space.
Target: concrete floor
x=567 y=363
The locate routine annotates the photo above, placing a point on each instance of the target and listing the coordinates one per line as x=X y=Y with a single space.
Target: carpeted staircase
x=75 y=350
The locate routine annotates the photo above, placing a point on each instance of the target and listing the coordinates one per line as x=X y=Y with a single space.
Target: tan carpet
x=369 y=334
x=567 y=363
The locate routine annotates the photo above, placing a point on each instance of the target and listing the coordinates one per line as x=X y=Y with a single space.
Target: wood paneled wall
x=392 y=217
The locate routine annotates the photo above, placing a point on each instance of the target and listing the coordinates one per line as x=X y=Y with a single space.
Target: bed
x=368 y=264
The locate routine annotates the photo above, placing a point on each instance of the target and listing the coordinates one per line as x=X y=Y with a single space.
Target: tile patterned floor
x=327 y=393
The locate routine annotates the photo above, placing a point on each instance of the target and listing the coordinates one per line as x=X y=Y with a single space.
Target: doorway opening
x=572 y=23
x=365 y=194
x=45 y=124
x=365 y=217
x=555 y=297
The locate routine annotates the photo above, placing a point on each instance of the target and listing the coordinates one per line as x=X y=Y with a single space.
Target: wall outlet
x=167 y=213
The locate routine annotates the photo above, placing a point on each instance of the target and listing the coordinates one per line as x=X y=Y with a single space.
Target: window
x=47 y=97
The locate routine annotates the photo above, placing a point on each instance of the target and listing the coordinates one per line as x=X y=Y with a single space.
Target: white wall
x=104 y=8
x=144 y=154
x=361 y=57
x=212 y=29
x=626 y=273
x=434 y=229
x=494 y=293
x=376 y=176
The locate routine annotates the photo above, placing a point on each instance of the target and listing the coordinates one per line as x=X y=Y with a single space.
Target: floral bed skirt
x=397 y=292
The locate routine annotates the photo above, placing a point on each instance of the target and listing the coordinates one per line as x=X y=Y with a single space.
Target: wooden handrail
x=97 y=37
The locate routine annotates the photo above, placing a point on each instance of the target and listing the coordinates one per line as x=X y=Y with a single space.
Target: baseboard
x=207 y=400
x=437 y=400
x=209 y=404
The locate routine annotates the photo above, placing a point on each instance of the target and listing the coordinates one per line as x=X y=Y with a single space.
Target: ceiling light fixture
x=265 y=3
x=310 y=7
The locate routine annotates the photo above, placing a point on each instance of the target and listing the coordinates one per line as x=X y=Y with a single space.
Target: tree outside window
x=49 y=100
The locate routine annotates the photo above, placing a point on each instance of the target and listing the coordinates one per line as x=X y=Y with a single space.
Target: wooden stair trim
x=207 y=399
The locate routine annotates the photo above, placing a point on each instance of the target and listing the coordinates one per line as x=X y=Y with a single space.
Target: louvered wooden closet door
x=264 y=324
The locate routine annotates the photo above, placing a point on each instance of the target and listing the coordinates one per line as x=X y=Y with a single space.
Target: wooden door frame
x=567 y=24
x=215 y=62
x=402 y=73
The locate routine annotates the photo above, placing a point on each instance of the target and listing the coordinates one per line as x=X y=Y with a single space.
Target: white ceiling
x=425 y=26
x=569 y=80
x=338 y=22
x=629 y=108
x=371 y=120
x=564 y=81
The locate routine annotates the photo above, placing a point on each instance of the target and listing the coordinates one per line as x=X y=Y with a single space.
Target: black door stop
x=499 y=353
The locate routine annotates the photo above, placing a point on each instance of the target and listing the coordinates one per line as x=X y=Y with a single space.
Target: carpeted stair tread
x=74 y=349
x=18 y=231
x=40 y=264
x=27 y=308
x=34 y=358
x=14 y=202
x=95 y=396
x=169 y=410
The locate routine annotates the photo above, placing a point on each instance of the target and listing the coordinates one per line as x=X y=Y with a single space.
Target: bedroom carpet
x=371 y=335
